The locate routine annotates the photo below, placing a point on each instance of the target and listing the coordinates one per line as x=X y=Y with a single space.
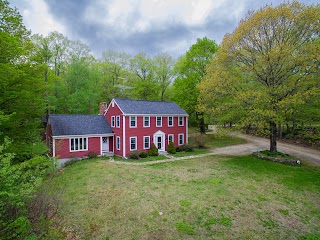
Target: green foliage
x=179 y=149
x=22 y=89
x=199 y=139
x=163 y=67
x=277 y=154
x=190 y=69
x=143 y=154
x=18 y=184
x=92 y=155
x=134 y=154
x=184 y=148
x=265 y=71
x=187 y=148
x=171 y=148
x=153 y=151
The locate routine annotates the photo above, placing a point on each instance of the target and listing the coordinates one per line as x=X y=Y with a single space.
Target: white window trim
x=171 y=121
x=169 y=138
x=180 y=144
x=124 y=146
x=118 y=125
x=187 y=136
x=144 y=142
x=157 y=121
x=136 y=143
x=179 y=122
x=113 y=121
x=144 y=117
x=79 y=150
x=118 y=140
x=135 y=121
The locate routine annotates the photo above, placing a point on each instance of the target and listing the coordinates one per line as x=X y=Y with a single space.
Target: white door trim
x=107 y=145
x=155 y=139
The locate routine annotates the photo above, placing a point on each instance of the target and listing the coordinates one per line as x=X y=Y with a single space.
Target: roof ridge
x=74 y=115
x=142 y=100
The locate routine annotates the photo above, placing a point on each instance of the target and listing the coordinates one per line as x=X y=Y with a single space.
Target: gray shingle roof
x=149 y=107
x=79 y=125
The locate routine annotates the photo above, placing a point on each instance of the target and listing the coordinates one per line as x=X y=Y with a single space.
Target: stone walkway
x=170 y=159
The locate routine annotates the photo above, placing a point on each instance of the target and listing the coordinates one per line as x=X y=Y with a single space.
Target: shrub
x=171 y=148
x=199 y=139
x=179 y=149
x=92 y=155
x=134 y=154
x=143 y=154
x=153 y=151
x=187 y=148
x=19 y=183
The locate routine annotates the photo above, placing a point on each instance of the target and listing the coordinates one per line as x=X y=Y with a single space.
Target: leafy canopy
x=267 y=68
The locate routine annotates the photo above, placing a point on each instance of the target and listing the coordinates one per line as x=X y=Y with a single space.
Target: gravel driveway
x=257 y=144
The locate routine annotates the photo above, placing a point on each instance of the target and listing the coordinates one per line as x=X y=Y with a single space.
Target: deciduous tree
x=190 y=69
x=266 y=69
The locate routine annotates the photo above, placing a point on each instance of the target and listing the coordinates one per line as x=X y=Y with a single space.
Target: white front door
x=105 y=144
x=158 y=139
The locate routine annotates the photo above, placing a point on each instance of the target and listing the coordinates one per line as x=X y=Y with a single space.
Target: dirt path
x=257 y=144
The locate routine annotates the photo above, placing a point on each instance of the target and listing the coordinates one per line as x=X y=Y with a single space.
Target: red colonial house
x=123 y=126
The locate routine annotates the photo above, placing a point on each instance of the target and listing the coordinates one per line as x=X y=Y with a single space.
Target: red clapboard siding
x=63 y=148
x=115 y=111
x=141 y=131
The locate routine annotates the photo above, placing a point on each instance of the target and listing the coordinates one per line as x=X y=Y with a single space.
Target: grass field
x=205 y=198
x=214 y=142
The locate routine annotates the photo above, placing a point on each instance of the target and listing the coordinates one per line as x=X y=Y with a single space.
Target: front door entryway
x=105 y=144
x=159 y=142
x=158 y=139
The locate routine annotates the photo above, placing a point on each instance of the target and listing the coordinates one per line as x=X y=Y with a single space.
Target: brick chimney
x=103 y=108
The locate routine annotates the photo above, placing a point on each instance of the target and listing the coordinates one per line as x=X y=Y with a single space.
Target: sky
x=133 y=26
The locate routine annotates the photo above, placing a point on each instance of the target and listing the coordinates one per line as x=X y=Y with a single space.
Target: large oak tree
x=267 y=68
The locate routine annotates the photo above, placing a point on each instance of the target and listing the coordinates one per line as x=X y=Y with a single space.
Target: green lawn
x=214 y=142
x=196 y=151
x=205 y=198
x=147 y=159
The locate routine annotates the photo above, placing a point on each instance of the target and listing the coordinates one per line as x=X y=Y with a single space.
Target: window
x=170 y=121
x=133 y=121
x=170 y=138
x=118 y=121
x=146 y=142
x=180 y=121
x=159 y=121
x=113 y=121
x=133 y=143
x=181 y=138
x=118 y=143
x=112 y=103
x=146 y=121
x=78 y=144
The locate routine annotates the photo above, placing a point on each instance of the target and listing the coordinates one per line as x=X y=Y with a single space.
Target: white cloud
x=36 y=16
x=127 y=17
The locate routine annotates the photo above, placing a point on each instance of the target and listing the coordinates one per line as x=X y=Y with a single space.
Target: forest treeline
x=41 y=75
x=264 y=77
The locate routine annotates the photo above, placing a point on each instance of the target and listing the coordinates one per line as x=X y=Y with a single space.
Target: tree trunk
x=273 y=136
x=201 y=122
x=279 y=131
